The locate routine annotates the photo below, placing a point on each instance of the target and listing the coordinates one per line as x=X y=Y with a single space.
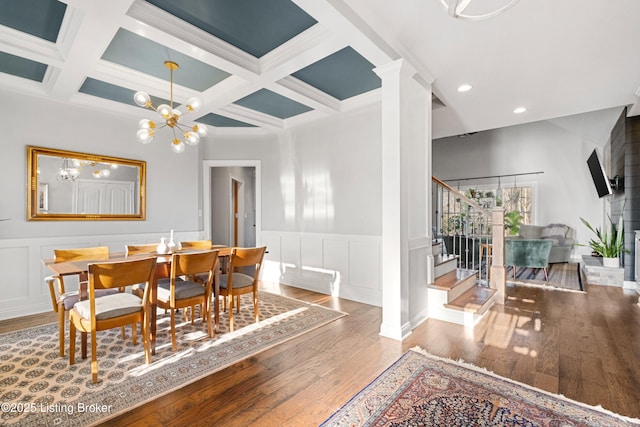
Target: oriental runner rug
x=420 y=389
x=40 y=388
x=564 y=276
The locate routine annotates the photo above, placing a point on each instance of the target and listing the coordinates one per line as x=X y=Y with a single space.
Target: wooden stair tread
x=443 y=258
x=472 y=300
x=451 y=279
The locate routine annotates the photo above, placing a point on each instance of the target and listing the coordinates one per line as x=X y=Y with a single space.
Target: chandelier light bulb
x=165 y=111
x=191 y=138
x=105 y=172
x=194 y=104
x=200 y=130
x=146 y=124
x=114 y=166
x=96 y=174
x=177 y=146
x=177 y=114
x=145 y=136
x=142 y=99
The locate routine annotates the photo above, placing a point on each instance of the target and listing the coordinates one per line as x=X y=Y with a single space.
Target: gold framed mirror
x=67 y=185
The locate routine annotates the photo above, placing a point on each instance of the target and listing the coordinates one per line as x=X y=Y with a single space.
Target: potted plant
x=512 y=221
x=609 y=245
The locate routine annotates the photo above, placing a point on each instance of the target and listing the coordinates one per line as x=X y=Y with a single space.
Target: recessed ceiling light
x=519 y=110
x=464 y=88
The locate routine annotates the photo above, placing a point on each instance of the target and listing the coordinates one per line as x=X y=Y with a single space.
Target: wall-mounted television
x=600 y=179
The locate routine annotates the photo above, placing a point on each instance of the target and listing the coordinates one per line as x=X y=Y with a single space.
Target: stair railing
x=466 y=229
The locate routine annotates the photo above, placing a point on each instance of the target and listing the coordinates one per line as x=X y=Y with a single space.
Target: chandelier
x=171 y=118
x=70 y=169
x=461 y=9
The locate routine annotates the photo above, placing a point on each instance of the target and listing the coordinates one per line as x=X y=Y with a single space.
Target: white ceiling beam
x=99 y=23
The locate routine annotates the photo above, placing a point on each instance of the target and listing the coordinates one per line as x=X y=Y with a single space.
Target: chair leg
x=61 y=320
x=72 y=343
x=207 y=314
x=238 y=304
x=145 y=341
x=94 y=358
x=134 y=333
x=174 y=345
x=256 y=313
x=230 y=313
x=546 y=275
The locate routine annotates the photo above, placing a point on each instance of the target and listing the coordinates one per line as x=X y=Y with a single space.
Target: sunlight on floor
x=206 y=345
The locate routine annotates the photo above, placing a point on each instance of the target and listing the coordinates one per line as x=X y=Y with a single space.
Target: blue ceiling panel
x=22 y=67
x=342 y=75
x=40 y=18
x=115 y=93
x=256 y=27
x=141 y=54
x=222 y=121
x=273 y=104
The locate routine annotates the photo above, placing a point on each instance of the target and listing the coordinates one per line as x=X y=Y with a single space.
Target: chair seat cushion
x=109 y=306
x=69 y=299
x=184 y=289
x=240 y=280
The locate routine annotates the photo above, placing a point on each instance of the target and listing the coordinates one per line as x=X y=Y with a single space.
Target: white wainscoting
x=347 y=266
x=22 y=287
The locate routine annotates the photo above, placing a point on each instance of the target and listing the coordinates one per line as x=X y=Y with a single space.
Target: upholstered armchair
x=528 y=253
x=560 y=235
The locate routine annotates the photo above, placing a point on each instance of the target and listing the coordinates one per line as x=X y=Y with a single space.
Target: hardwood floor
x=584 y=346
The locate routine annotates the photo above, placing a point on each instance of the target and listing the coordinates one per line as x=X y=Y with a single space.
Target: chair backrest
x=191 y=263
x=121 y=273
x=97 y=253
x=196 y=244
x=247 y=257
x=146 y=248
x=533 y=253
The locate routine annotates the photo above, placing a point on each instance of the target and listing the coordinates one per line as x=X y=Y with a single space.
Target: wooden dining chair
x=235 y=283
x=63 y=300
x=146 y=248
x=196 y=244
x=110 y=311
x=175 y=293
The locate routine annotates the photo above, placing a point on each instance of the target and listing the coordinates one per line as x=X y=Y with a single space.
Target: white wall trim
x=346 y=266
x=22 y=290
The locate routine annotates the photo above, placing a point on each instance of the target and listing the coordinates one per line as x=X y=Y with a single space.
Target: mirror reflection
x=71 y=185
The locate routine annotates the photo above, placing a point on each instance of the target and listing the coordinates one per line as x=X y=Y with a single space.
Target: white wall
x=565 y=190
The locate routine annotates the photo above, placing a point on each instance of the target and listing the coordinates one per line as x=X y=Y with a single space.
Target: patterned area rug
x=564 y=276
x=38 y=387
x=424 y=390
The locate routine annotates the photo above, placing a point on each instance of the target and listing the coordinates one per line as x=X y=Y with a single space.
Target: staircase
x=455 y=296
x=462 y=291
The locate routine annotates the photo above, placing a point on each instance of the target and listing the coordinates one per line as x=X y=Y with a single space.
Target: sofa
x=561 y=236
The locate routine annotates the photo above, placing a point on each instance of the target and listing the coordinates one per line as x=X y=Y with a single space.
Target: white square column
x=407 y=260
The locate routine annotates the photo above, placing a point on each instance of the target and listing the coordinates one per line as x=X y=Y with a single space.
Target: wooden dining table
x=163 y=270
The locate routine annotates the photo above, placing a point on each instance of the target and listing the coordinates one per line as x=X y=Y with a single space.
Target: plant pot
x=611 y=262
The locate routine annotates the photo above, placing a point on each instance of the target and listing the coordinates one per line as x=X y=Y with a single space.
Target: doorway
x=232 y=202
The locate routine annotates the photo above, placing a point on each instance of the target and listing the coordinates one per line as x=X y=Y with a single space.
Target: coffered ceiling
x=274 y=64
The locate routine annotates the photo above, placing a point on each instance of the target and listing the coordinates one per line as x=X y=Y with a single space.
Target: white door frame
x=206 y=192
